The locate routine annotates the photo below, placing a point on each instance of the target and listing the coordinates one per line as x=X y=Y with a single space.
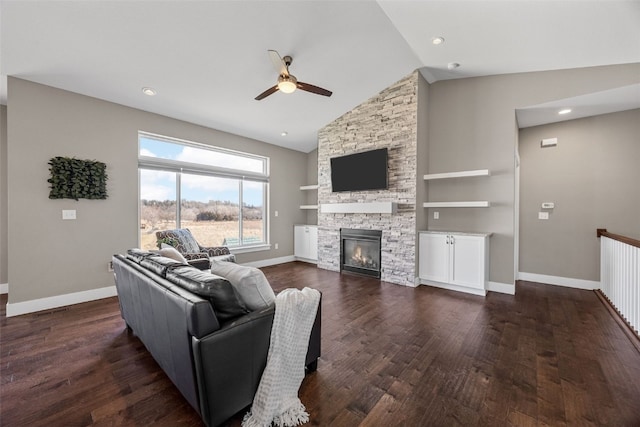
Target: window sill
x=246 y=249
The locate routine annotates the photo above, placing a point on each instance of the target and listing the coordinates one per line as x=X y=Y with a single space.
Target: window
x=218 y=194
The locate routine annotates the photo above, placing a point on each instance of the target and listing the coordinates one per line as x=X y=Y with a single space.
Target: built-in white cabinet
x=454 y=260
x=305 y=243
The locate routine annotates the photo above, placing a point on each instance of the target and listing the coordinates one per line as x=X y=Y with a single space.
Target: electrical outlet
x=436 y=215
x=110 y=266
x=276 y=246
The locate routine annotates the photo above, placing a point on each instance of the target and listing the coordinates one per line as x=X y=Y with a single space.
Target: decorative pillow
x=249 y=282
x=171 y=252
x=216 y=289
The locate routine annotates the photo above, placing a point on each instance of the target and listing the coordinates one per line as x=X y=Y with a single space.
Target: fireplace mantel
x=369 y=207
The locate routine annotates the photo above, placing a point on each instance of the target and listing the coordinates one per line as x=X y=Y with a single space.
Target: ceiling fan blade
x=278 y=62
x=313 y=89
x=267 y=92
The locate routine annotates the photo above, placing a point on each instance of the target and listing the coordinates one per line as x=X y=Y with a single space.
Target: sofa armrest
x=229 y=364
x=213 y=251
x=200 y=263
x=190 y=256
x=230 y=361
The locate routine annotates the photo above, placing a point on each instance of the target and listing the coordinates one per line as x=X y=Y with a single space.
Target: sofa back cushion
x=250 y=283
x=159 y=264
x=137 y=255
x=223 y=297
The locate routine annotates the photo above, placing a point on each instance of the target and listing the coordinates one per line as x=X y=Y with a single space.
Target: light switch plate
x=543 y=215
x=69 y=214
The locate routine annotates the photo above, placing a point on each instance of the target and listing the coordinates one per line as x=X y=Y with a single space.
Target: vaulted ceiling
x=208 y=60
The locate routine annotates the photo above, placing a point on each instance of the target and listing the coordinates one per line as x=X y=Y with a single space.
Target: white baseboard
x=24 y=307
x=4 y=288
x=473 y=291
x=271 y=261
x=310 y=261
x=559 y=281
x=503 y=288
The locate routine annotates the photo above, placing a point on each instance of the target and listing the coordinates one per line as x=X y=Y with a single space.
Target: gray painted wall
x=592 y=176
x=50 y=256
x=471 y=126
x=3 y=195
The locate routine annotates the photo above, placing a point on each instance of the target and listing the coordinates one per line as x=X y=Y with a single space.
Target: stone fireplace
x=360 y=251
x=388 y=120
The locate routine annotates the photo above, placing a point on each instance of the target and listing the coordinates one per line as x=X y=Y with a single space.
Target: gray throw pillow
x=249 y=282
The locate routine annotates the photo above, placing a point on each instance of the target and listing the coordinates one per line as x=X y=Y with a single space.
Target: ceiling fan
x=287 y=82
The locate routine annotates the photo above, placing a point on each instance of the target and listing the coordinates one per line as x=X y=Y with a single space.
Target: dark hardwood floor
x=391 y=356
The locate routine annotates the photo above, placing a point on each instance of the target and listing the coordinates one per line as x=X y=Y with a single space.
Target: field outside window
x=218 y=207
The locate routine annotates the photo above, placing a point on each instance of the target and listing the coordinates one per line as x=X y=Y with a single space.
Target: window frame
x=179 y=167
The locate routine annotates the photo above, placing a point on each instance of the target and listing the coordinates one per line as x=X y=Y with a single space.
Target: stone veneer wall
x=386 y=120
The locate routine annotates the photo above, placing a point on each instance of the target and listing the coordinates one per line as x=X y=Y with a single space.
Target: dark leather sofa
x=216 y=365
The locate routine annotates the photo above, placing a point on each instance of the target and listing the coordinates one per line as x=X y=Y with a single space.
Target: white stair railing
x=620 y=275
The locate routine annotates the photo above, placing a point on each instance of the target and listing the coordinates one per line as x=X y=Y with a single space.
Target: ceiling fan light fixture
x=287 y=84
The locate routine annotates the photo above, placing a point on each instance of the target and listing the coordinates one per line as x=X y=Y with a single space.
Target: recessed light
x=148 y=91
x=452 y=65
x=284 y=133
x=437 y=40
x=565 y=111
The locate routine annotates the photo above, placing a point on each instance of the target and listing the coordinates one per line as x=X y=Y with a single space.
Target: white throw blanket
x=277 y=397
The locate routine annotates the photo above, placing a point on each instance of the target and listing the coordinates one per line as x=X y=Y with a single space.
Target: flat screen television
x=360 y=171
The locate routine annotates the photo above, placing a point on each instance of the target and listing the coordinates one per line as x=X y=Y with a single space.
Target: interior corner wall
x=4 y=276
x=51 y=257
x=422 y=161
x=471 y=126
x=592 y=178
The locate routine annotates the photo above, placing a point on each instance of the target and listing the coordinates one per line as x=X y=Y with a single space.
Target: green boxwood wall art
x=77 y=179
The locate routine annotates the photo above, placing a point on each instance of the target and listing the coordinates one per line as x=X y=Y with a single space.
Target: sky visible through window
x=159 y=185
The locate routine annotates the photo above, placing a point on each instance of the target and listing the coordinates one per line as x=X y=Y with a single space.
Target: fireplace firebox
x=360 y=251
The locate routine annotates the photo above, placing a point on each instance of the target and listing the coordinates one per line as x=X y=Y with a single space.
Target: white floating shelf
x=308 y=206
x=461 y=174
x=373 y=207
x=479 y=204
x=309 y=187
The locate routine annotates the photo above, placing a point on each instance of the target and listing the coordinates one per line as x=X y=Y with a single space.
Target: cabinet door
x=434 y=257
x=467 y=261
x=313 y=243
x=300 y=242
